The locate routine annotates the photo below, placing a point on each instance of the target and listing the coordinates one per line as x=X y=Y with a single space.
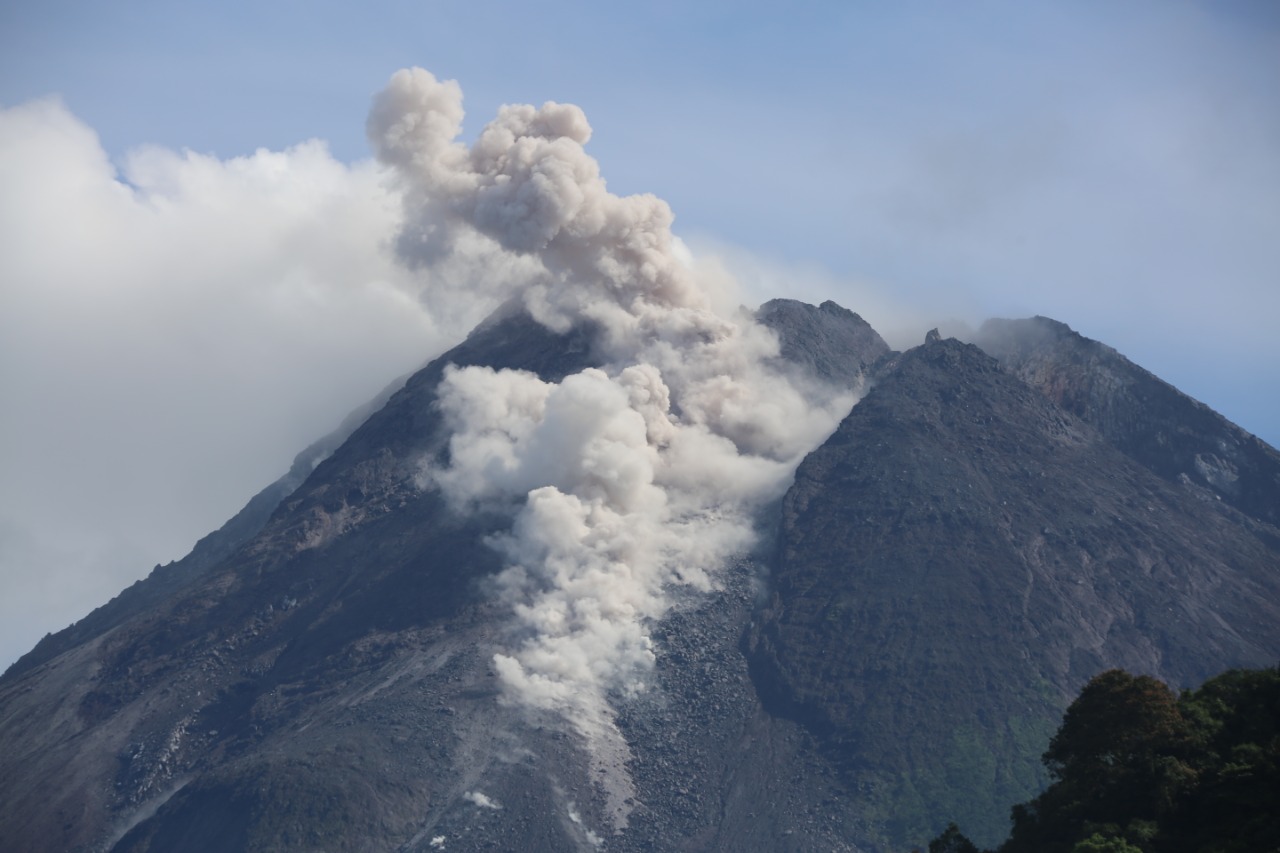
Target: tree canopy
x=1139 y=769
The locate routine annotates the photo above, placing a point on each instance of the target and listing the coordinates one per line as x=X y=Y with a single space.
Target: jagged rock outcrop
x=827 y=341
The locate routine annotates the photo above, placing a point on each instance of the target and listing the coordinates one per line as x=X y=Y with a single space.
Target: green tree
x=1119 y=758
x=1116 y=739
x=1236 y=804
x=952 y=841
x=1098 y=843
x=1136 y=769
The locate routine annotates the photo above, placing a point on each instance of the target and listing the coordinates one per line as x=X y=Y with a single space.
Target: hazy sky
x=191 y=290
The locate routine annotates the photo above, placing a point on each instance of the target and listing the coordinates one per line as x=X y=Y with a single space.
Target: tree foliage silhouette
x=1138 y=769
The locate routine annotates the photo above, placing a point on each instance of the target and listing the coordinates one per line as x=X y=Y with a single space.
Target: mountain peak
x=1175 y=436
x=829 y=340
x=1031 y=554
x=946 y=569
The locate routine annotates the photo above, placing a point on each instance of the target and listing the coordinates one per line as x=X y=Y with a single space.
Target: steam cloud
x=632 y=481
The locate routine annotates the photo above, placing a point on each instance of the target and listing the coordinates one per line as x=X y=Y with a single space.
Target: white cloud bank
x=170 y=336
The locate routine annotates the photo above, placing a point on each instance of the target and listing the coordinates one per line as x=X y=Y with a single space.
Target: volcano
x=631 y=568
x=947 y=569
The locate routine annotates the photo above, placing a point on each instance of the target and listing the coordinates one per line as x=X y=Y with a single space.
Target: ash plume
x=632 y=481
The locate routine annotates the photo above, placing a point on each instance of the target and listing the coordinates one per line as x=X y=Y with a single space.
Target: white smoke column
x=631 y=481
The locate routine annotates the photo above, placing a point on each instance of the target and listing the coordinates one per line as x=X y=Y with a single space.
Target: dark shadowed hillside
x=960 y=557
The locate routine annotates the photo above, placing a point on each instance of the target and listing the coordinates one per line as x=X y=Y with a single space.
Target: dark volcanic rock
x=952 y=564
x=327 y=684
x=828 y=341
x=714 y=769
x=1175 y=436
x=168 y=580
x=959 y=558
x=249 y=685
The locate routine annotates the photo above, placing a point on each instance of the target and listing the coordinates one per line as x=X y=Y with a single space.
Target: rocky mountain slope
x=209 y=551
x=959 y=557
x=1148 y=419
x=949 y=567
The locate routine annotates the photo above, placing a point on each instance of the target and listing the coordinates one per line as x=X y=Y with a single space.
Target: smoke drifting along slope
x=628 y=482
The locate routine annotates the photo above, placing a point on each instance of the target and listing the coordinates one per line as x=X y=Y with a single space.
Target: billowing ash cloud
x=632 y=481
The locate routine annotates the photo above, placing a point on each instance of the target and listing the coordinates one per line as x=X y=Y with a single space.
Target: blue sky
x=994 y=156
x=1114 y=165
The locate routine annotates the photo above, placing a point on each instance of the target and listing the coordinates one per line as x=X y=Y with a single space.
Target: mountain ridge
x=330 y=682
x=1133 y=408
x=1035 y=552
